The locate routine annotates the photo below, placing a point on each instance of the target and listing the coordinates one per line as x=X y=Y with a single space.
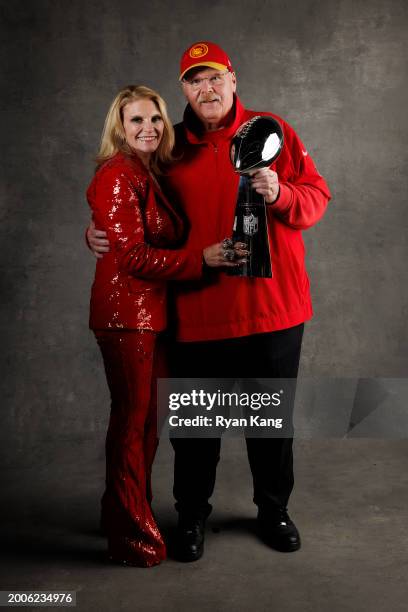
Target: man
x=229 y=326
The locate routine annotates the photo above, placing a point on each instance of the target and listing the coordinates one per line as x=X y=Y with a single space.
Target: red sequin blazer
x=129 y=290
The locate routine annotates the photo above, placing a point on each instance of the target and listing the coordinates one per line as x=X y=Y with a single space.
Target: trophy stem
x=250 y=227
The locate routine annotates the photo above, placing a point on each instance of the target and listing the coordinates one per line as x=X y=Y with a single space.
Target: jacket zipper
x=216 y=156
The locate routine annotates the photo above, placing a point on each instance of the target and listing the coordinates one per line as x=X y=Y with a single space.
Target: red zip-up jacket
x=205 y=185
x=129 y=290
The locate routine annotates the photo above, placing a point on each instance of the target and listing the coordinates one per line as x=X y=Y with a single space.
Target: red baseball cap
x=204 y=53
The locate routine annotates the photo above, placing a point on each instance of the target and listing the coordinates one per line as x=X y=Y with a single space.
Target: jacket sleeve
x=304 y=194
x=117 y=208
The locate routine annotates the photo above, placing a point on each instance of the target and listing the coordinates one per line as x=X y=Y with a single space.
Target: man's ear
x=234 y=80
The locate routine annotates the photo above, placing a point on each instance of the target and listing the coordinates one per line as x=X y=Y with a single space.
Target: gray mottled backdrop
x=334 y=69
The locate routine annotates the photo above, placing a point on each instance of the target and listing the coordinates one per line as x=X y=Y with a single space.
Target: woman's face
x=144 y=127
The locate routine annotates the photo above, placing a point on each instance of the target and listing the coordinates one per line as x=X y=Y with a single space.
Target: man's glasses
x=214 y=81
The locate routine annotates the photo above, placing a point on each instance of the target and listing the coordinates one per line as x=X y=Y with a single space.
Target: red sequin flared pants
x=132 y=360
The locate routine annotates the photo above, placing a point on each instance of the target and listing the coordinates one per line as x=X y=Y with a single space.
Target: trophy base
x=251 y=228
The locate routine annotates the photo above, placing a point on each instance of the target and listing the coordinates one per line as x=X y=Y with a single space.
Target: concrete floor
x=350 y=504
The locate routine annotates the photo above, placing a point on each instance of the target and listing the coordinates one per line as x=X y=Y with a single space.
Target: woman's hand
x=217 y=255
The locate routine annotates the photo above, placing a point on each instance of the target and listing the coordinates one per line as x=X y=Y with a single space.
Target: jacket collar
x=197 y=135
x=133 y=160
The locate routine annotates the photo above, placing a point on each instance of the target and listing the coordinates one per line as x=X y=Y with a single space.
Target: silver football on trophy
x=256 y=144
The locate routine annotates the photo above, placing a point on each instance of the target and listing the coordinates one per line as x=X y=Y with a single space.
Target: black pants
x=270 y=355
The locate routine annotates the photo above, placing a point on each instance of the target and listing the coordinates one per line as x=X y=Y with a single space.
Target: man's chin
x=210 y=117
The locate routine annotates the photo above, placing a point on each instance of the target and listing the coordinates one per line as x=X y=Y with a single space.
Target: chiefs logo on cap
x=198 y=50
x=204 y=53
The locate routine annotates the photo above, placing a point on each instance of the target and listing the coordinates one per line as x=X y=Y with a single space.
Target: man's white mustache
x=209 y=99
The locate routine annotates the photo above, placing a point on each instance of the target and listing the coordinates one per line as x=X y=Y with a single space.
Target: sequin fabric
x=129 y=290
x=128 y=309
x=132 y=360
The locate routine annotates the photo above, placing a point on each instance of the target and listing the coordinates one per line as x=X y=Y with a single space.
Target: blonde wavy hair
x=113 y=137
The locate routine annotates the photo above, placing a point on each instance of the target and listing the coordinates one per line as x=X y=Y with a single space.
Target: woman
x=128 y=307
